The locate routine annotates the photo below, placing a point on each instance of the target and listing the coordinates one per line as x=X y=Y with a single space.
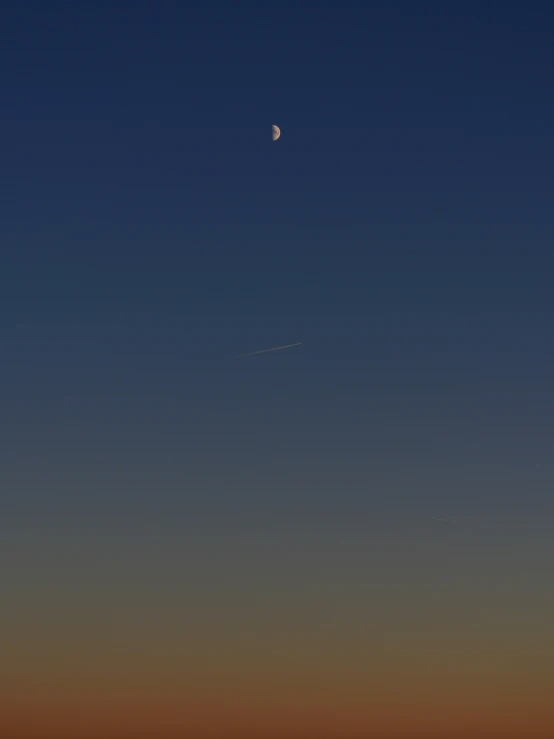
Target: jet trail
x=275 y=349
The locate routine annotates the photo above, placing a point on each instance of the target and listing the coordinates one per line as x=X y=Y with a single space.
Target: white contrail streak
x=275 y=349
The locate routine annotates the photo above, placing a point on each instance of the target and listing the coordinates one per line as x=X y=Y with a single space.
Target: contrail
x=275 y=349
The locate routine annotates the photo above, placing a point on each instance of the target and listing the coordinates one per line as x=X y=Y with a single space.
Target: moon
x=275 y=132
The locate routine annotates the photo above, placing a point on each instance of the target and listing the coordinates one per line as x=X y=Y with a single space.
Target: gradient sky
x=195 y=545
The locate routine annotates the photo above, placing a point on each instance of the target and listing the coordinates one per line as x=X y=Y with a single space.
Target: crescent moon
x=275 y=132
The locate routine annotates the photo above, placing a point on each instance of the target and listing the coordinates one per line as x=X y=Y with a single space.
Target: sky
x=197 y=544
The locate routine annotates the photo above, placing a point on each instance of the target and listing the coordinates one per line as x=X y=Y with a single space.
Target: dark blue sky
x=401 y=228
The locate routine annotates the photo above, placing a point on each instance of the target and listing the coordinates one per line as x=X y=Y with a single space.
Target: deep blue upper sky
x=401 y=228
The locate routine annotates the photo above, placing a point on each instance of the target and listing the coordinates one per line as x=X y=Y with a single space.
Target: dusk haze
x=276 y=425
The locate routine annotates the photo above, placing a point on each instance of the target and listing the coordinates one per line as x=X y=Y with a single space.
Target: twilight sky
x=195 y=545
